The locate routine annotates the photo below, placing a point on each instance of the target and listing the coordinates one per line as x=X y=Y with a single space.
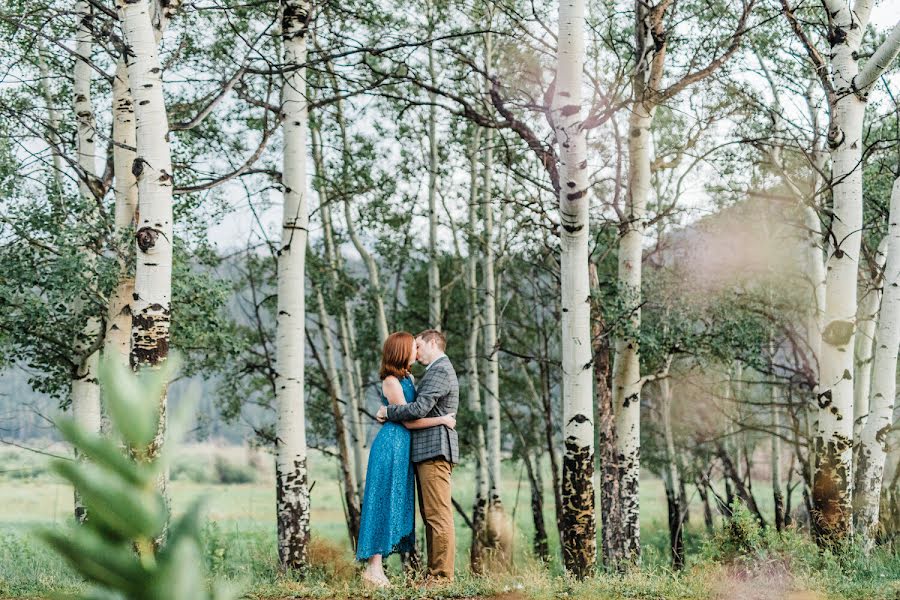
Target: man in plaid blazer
x=434 y=450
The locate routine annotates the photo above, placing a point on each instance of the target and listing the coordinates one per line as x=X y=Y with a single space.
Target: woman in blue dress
x=388 y=509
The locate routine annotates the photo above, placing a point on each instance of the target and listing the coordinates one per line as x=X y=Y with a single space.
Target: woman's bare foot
x=377 y=580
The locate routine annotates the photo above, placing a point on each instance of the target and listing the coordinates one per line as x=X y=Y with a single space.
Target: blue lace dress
x=388 y=509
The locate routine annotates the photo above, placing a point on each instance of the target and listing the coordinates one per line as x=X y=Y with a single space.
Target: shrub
x=740 y=536
x=230 y=473
x=187 y=470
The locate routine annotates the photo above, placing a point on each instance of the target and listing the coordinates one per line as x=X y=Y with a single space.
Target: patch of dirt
x=761 y=581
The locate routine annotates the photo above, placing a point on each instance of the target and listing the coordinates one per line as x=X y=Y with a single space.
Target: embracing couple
x=418 y=435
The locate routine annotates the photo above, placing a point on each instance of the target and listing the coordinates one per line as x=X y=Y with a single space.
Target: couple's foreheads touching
x=401 y=349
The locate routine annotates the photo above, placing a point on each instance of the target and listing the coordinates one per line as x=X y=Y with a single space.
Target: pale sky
x=887 y=13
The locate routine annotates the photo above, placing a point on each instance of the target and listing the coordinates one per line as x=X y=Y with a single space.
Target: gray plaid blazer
x=436 y=395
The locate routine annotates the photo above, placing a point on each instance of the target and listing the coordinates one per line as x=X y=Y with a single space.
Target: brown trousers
x=433 y=481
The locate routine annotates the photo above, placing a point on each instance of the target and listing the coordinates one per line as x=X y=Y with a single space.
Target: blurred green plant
x=114 y=549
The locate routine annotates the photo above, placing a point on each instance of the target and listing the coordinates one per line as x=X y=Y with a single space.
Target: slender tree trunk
x=348 y=356
x=740 y=488
x=775 y=450
x=292 y=493
x=434 y=272
x=874 y=439
x=351 y=489
x=579 y=528
x=482 y=479
x=865 y=344
x=612 y=544
x=491 y=347
x=53 y=136
x=626 y=373
x=376 y=288
x=85 y=388
x=703 y=492
x=672 y=478
x=540 y=545
x=550 y=440
x=117 y=343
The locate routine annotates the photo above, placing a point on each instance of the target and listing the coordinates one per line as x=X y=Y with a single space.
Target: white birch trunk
x=672 y=478
x=85 y=388
x=815 y=269
x=482 y=479
x=491 y=349
x=434 y=272
x=351 y=382
x=117 y=341
x=53 y=138
x=372 y=270
x=292 y=492
x=873 y=444
x=832 y=480
x=867 y=317
x=117 y=344
x=578 y=527
x=626 y=378
x=371 y=265
x=351 y=483
x=775 y=449
x=153 y=169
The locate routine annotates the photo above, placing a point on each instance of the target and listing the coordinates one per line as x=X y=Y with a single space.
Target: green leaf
x=104 y=452
x=113 y=565
x=113 y=504
x=179 y=576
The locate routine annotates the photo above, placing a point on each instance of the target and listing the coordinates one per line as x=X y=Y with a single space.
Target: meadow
x=240 y=542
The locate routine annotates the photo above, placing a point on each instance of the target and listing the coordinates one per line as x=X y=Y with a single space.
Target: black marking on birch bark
x=629 y=399
x=824 y=399
x=838 y=36
x=847 y=374
x=831 y=498
x=578 y=530
x=146 y=238
x=143 y=102
x=294 y=20
x=572 y=228
x=881 y=434
x=569 y=109
x=150 y=335
x=579 y=419
x=835 y=137
x=137 y=167
x=293 y=517
x=571 y=184
x=576 y=195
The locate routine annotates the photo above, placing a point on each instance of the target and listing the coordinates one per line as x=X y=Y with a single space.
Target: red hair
x=396 y=355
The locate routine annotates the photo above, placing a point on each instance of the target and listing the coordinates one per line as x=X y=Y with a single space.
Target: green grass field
x=240 y=546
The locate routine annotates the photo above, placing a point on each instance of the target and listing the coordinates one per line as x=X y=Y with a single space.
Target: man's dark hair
x=433 y=335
